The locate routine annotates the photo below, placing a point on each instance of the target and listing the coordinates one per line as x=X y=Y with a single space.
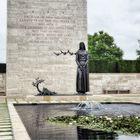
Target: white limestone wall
x=101 y=81
x=36 y=29
x=2 y=83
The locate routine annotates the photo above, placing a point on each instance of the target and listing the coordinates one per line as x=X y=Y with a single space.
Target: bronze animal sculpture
x=44 y=91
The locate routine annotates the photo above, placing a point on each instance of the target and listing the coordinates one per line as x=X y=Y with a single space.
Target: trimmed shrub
x=121 y=66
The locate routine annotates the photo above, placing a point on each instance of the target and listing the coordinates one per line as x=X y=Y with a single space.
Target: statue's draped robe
x=82 y=81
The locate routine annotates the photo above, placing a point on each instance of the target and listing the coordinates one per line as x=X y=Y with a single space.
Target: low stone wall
x=102 y=81
x=2 y=83
x=109 y=81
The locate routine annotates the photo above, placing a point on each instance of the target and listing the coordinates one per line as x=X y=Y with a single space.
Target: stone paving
x=5 y=123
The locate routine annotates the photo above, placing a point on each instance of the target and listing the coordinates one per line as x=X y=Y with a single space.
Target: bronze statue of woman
x=82 y=81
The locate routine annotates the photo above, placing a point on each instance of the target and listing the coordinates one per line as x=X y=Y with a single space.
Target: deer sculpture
x=44 y=91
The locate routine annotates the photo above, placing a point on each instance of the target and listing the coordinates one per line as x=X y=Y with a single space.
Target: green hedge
x=122 y=66
x=2 y=68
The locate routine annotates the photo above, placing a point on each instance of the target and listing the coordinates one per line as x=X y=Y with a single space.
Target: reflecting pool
x=34 y=117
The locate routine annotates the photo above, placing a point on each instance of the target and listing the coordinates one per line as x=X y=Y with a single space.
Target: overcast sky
x=2 y=31
x=120 y=18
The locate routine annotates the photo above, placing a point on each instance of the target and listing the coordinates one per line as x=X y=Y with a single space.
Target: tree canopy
x=138 y=54
x=101 y=46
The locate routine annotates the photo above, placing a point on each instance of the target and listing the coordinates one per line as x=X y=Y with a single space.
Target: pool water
x=35 y=117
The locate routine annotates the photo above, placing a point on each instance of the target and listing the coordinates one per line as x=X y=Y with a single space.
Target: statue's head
x=82 y=46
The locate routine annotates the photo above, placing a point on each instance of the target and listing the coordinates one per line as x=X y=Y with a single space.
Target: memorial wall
x=37 y=29
x=2 y=84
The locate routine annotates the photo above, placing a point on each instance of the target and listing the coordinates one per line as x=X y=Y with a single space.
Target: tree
x=138 y=54
x=101 y=46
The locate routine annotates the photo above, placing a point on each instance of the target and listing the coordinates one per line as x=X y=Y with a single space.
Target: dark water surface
x=34 y=118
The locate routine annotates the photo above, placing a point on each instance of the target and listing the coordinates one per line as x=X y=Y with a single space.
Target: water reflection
x=34 y=118
x=86 y=134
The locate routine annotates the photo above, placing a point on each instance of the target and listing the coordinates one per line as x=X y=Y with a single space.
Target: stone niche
x=36 y=29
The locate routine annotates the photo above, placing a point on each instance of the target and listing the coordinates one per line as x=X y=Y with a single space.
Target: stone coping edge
x=18 y=128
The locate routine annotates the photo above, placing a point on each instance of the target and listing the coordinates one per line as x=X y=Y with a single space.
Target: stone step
x=4 y=115
x=5 y=123
x=3 y=106
x=6 y=134
x=4 y=112
x=5 y=130
x=5 y=126
x=3 y=120
x=6 y=137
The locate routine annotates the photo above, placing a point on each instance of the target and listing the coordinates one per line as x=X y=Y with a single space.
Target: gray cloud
x=120 y=18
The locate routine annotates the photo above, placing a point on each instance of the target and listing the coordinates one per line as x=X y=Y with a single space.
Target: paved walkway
x=5 y=123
